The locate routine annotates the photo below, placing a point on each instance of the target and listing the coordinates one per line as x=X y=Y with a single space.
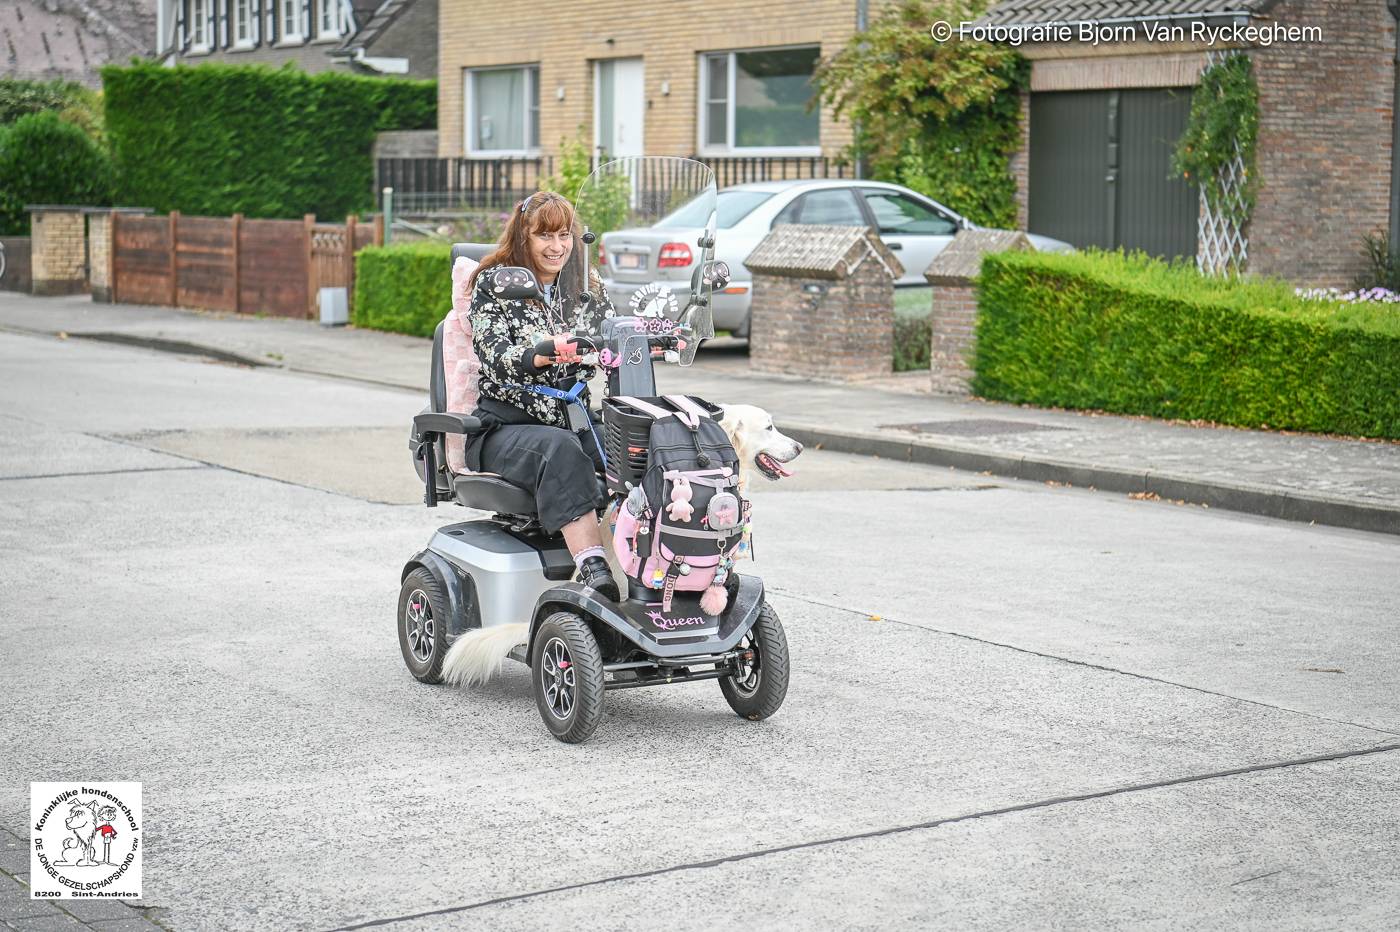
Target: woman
x=526 y=437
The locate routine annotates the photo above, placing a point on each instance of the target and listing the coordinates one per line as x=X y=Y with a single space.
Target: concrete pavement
x=1012 y=704
x=1298 y=477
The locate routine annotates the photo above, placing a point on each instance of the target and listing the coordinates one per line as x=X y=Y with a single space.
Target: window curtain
x=500 y=118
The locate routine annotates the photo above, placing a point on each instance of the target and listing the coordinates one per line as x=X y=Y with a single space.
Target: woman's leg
x=582 y=534
x=552 y=463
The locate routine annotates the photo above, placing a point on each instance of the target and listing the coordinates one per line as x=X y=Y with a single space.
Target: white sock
x=585 y=554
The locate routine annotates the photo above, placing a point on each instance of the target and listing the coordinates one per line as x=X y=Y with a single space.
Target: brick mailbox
x=953 y=274
x=823 y=302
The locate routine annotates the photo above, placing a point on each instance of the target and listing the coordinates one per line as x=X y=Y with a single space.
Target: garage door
x=1100 y=170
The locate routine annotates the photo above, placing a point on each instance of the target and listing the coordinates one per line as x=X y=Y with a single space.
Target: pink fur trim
x=714 y=600
x=459 y=362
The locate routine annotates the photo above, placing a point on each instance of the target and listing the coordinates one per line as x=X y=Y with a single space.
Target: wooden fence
x=271 y=267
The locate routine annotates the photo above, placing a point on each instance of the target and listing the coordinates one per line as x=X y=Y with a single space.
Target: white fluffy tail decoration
x=477 y=656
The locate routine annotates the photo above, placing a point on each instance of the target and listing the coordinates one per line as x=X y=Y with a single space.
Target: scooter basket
x=627 y=438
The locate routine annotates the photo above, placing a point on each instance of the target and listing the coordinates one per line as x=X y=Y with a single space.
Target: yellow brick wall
x=668 y=35
x=99 y=246
x=58 y=246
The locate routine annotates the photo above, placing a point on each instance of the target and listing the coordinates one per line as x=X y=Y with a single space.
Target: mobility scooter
x=504 y=569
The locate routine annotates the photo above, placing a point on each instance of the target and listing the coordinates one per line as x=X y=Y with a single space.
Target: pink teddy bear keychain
x=680 y=508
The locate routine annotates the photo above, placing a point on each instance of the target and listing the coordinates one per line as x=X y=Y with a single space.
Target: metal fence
x=425 y=186
x=445 y=185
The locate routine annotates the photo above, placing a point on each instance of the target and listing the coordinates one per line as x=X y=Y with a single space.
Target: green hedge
x=221 y=139
x=403 y=289
x=1137 y=336
x=75 y=103
x=46 y=160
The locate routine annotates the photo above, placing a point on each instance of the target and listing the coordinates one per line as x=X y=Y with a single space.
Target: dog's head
x=757 y=441
x=80 y=817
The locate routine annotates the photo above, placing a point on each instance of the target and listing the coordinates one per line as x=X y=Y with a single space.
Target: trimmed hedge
x=403 y=288
x=222 y=139
x=46 y=160
x=1138 y=336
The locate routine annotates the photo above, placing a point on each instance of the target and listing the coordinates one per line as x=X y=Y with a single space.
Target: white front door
x=619 y=106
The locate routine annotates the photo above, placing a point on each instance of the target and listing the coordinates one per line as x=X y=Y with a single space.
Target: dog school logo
x=654 y=300
x=85 y=840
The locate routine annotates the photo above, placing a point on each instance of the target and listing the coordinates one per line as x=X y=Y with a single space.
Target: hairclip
x=525 y=203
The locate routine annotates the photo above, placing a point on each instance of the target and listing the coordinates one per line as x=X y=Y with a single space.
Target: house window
x=242 y=24
x=330 y=23
x=291 y=20
x=757 y=100
x=503 y=110
x=203 y=38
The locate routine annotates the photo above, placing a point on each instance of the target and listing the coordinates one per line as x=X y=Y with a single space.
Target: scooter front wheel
x=759 y=687
x=567 y=670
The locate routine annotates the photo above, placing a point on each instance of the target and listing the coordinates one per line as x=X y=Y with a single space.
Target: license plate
x=630 y=260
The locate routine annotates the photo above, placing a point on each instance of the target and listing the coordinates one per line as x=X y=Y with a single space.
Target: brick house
x=392 y=37
x=676 y=79
x=1101 y=121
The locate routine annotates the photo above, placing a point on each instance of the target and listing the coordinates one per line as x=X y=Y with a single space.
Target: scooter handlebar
x=551 y=347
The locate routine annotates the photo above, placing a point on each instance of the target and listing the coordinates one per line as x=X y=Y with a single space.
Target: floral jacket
x=504 y=333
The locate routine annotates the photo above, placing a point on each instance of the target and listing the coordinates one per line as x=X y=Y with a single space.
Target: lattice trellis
x=1222 y=229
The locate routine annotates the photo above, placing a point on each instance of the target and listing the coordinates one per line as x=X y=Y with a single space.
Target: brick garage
x=823 y=303
x=1326 y=116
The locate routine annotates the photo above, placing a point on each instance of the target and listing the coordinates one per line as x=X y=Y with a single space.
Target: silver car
x=912 y=225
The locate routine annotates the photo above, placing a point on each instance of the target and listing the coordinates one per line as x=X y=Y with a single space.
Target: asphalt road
x=1011 y=704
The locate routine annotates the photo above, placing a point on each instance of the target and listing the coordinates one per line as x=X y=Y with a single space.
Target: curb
x=159 y=344
x=1240 y=497
x=1248 y=499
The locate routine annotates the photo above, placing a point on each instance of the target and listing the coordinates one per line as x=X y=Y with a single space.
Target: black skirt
x=559 y=467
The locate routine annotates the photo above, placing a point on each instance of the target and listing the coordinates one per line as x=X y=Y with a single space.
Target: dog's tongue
x=777 y=466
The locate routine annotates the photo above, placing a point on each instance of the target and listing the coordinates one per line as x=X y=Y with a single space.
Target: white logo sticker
x=85 y=841
x=654 y=300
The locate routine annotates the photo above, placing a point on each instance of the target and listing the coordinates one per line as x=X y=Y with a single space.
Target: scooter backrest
x=473 y=251
x=437 y=380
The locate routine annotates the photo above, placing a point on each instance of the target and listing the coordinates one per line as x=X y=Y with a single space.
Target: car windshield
x=732 y=206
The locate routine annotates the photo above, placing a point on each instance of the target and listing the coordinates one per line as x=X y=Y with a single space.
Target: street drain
x=972 y=427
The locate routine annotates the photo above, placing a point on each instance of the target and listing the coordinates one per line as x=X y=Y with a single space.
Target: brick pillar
x=1021 y=167
x=100 y=255
x=823 y=303
x=59 y=246
x=954 y=326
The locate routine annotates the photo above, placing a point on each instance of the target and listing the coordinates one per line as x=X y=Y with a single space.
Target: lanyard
x=573 y=396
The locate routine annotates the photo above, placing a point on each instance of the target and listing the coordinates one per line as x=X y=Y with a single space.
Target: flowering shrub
x=1377 y=295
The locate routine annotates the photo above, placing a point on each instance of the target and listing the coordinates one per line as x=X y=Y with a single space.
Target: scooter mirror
x=513 y=282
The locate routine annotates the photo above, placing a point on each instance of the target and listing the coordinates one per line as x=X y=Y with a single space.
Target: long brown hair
x=541 y=212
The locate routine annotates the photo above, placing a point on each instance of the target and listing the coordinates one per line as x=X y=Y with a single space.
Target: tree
x=45 y=160
x=940 y=117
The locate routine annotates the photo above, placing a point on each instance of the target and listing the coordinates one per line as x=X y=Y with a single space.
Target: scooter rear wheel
x=566 y=668
x=760 y=687
x=423 y=625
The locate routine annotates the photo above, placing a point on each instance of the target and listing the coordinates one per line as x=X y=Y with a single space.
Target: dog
x=478 y=655
x=758 y=443
x=82 y=822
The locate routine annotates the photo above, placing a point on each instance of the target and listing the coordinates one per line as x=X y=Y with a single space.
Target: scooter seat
x=492 y=493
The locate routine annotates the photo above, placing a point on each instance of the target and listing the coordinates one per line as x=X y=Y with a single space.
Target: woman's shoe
x=595 y=574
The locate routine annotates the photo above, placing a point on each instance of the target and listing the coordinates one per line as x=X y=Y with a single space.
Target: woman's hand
x=562 y=349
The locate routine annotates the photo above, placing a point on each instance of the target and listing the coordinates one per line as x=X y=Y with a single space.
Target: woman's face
x=549 y=251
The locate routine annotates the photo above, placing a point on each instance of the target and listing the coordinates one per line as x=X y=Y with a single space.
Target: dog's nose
x=799 y=447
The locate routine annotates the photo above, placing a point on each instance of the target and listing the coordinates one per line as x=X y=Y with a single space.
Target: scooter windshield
x=653 y=225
